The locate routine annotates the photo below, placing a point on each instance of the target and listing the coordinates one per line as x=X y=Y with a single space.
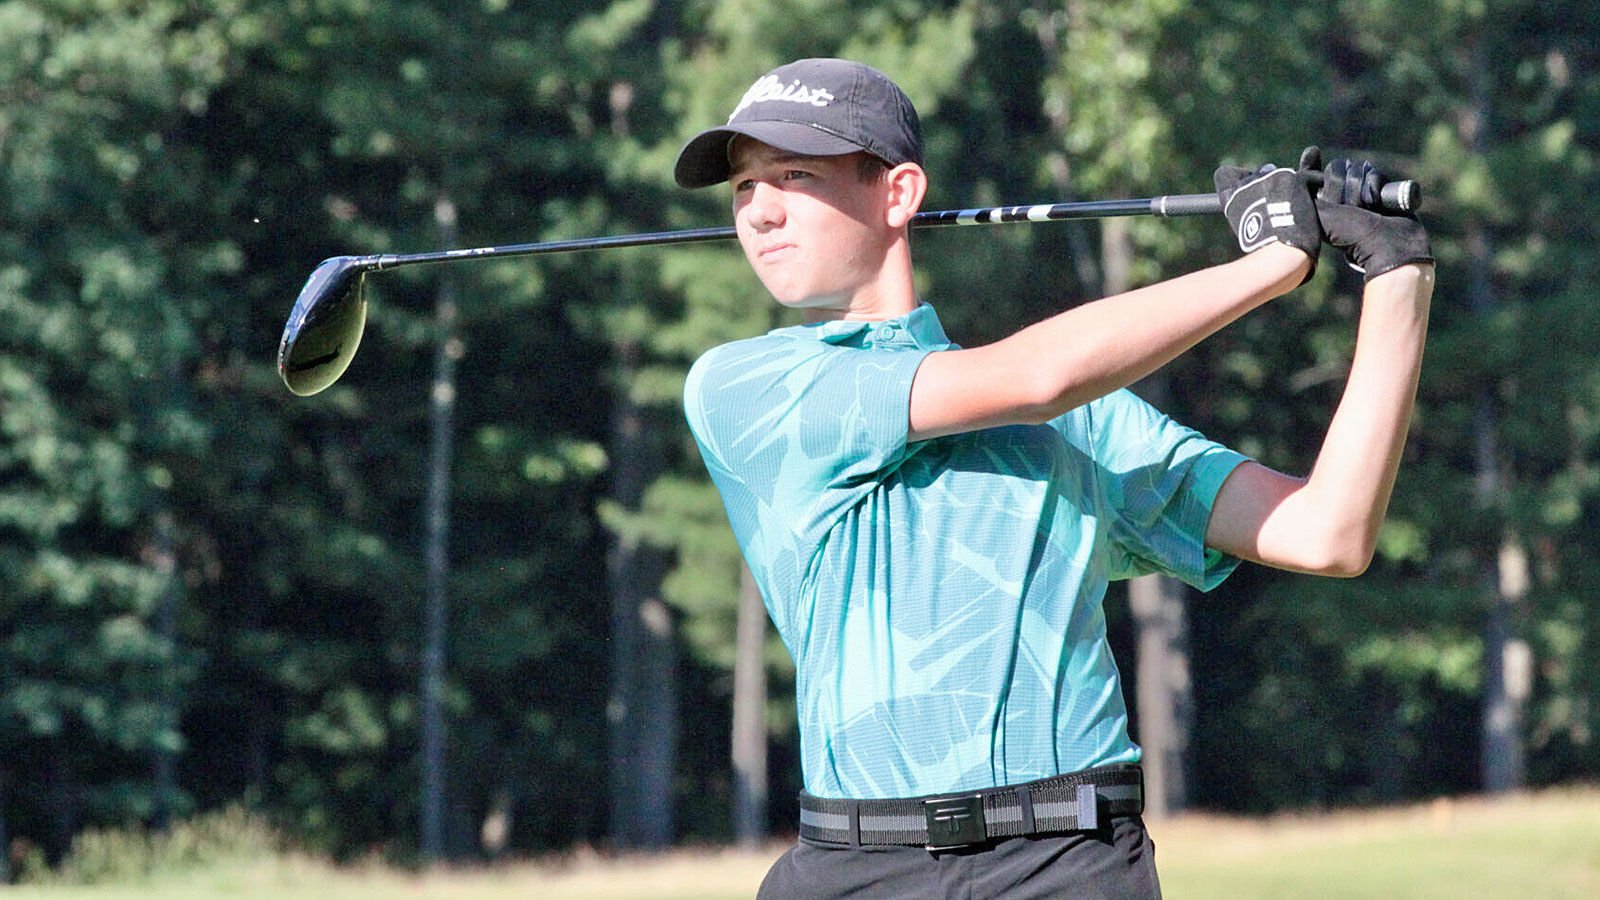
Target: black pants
x=1117 y=861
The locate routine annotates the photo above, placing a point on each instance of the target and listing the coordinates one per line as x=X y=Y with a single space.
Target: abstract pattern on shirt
x=942 y=599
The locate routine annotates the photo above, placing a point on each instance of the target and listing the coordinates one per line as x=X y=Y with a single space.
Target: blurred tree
x=1367 y=695
x=102 y=288
x=1500 y=89
x=212 y=590
x=412 y=104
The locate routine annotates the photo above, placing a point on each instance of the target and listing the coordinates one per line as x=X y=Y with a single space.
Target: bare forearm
x=1091 y=350
x=1330 y=523
x=1094 y=349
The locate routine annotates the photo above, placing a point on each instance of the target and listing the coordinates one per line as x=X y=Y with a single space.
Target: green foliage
x=105 y=856
x=196 y=567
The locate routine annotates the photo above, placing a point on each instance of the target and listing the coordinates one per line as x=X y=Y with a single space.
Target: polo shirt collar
x=918 y=329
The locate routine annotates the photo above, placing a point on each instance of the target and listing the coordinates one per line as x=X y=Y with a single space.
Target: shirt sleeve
x=802 y=425
x=1160 y=480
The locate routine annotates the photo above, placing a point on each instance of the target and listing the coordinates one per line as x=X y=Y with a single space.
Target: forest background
x=479 y=598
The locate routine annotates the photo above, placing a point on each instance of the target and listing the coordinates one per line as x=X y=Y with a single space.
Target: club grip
x=1186 y=205
x=1400 y=197
x=1394 y=197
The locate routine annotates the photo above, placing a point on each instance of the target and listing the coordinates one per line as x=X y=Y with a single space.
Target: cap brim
x=704 y=160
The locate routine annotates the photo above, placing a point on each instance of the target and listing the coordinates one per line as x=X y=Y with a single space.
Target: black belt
x=1073 y=802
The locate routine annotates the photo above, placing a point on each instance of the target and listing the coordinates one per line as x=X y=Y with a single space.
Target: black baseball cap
x=814 y=107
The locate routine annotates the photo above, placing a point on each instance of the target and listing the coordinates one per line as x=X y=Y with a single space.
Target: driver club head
x=324 y=328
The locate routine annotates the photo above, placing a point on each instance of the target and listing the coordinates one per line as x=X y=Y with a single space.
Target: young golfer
x=933 y=528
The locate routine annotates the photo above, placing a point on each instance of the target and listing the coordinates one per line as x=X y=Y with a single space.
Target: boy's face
x=814 y=230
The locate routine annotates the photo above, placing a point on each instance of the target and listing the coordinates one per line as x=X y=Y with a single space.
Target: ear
x=905 y=186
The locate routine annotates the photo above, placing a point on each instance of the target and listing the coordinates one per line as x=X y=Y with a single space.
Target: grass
x=1544 y=845
x=1534 y=846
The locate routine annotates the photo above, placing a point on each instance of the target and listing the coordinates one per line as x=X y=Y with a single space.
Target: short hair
x=870 y=168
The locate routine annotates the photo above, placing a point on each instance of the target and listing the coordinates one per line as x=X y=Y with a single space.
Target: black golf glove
x=1270 y=205
x=1373 y=242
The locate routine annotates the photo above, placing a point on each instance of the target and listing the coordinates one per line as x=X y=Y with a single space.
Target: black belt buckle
x=955 y=822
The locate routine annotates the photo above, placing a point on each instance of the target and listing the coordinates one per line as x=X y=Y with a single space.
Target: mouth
x=772 y=251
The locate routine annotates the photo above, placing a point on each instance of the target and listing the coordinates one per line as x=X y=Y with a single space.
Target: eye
x=796 y=175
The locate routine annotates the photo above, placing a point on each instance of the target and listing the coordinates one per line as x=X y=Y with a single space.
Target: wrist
x=1267 y=273
x=1411 y=282
x=1408 y=277
x=1286 y=265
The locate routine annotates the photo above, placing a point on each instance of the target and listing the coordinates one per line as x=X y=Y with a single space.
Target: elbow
x=1298 y=525
x=1342 y=556
x=1036 y=400
x=1351 y=566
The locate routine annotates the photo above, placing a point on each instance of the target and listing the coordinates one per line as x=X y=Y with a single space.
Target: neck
x=892 y=293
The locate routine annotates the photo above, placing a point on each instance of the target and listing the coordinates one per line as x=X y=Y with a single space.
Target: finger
x=1228 y=178
x=1311 y=158
x=1333 y=181
x=1371 y=185
x=1354 y=175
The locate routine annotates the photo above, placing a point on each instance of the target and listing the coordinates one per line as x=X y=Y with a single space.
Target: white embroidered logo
x=770 y=88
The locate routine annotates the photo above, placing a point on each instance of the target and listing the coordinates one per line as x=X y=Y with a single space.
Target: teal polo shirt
x=942 y=599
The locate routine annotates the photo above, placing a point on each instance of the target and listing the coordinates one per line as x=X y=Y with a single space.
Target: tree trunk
x=1507 y=658
x=164 y=765
x=642 y=709
x=1165 y=696
x=1048 y=29
x=749 y=716
x=5 y=835
x=442 y=401
x=1508 y=673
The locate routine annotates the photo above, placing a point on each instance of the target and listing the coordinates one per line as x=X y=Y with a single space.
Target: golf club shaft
x=1192 y=204
x=1397 y=196
x=325 y=325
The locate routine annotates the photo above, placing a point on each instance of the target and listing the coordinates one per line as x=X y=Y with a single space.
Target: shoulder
x=730 y=378
x=781 y=356
x=747 y=359
x=774 y=343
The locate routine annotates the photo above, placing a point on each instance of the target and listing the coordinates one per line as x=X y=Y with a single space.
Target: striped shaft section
x=1043 y=212
x=999 y=214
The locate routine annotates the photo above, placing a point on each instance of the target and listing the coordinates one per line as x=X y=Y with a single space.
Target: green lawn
x=1523 y=848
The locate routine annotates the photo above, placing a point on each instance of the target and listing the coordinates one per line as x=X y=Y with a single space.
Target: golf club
x=325 y=325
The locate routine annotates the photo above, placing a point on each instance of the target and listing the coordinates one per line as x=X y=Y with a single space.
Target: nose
x=764 y=209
